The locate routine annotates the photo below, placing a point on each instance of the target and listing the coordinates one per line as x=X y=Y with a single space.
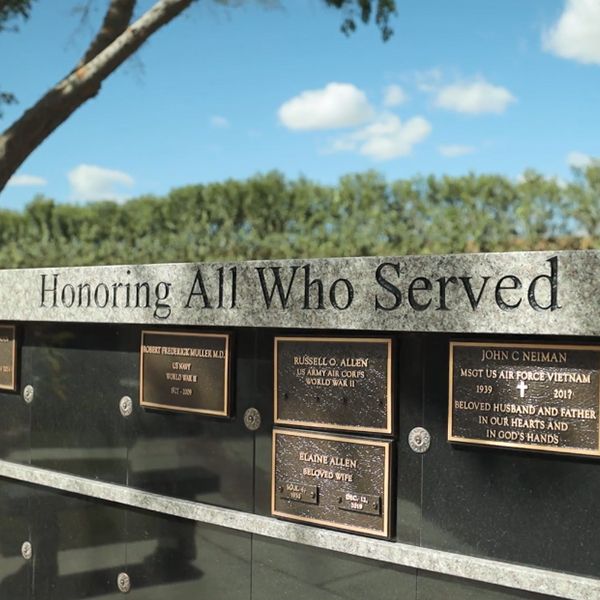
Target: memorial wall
x=397 y=427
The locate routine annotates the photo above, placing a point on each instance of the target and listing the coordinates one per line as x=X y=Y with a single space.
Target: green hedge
x=268 y=216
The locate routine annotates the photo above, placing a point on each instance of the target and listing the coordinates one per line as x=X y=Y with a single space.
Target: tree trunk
x=59 y=103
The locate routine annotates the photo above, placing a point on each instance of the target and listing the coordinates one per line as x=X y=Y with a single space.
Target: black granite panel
x=79 y=373
x=432 y=586
x=295 y=572
x=259 y=382
x=174 y=558
x=410 y=414
x=15 y=571
x=15 y=430
x=79 y=546
x=518 y=506
x=197 y=457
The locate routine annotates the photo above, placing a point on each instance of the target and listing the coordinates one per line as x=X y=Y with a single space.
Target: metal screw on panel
x=123 y=583
x=252 y=419
x=28 y=394
x=126 y=406
x=26 y=550
x=419 y=440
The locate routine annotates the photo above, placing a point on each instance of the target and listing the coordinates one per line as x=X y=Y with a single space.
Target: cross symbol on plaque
x=522 y=387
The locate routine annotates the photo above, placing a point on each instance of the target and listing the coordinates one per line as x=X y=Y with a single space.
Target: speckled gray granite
x=509 y=575
x=530 y=293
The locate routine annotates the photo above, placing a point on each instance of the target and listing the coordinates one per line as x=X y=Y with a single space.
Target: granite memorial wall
x=398 y=427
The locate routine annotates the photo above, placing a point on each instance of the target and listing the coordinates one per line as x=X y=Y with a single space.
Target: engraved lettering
x=388 y=286
x=552 y=284
x=277 y=286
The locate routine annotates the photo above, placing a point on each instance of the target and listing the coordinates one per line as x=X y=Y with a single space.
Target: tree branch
x=55 y=107
x=115 y=22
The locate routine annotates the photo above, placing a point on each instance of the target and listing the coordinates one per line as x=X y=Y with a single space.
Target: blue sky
x=468 y=85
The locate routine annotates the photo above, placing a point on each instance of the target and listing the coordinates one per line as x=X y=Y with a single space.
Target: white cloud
x=455 y=150
x=429 y=80
x=26 y=180
x=578 y=160
x=219 y=122
x=394 y=95
x=336 y=105
x=89 y=182
x=474 y=98
x=576 y=34
x=386 y=138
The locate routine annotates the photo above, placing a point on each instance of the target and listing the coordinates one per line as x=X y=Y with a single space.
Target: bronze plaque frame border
x=387 y=430
x=516 y=446
x=13 y=386
x=226 y=412
x=386 y=497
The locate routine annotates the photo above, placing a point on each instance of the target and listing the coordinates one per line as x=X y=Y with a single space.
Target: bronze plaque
x=186 y=372
x=334 y=383
x=533 y=396
x=337 y=481
x=8 y=358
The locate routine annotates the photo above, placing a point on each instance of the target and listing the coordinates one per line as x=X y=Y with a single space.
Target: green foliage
x=9 y=9
x=268 y=216
x=384 y=11
x=6 y=98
